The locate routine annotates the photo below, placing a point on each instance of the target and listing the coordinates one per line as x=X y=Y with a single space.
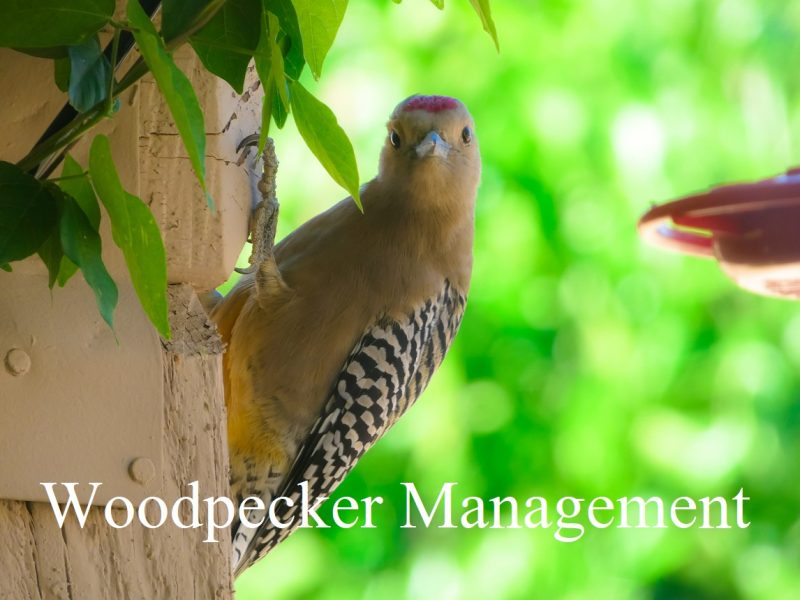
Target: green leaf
x=61 y=73
x=6 y=267
x=81 y=243
x=75 y=182
x=179 y=15
x=279 y=112
x=228 y=41
x=45 y=23
x=289 y=39
x=437 y=3
x=53 y=52
x=269 y=59
x=135 y=231
x=318 y=22
x=28 y=213
x=177 y=91
x=485 y=13
x=276 y=61
x=326 y=139
x=52 y=255
x=90 y=74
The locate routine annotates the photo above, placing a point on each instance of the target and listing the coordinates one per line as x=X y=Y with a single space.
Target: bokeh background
x=587 y=363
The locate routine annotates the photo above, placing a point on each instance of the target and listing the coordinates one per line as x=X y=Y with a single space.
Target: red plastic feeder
x=752 y=229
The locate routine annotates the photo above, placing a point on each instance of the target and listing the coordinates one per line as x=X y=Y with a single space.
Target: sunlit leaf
x=89 y=75
x=28 y=213
x=81 y=243
x=318 y=23
x=485 y=13
x=135 y=231
x=177 y=90
x=46 y=23
x=437 y=3
x=326 y=139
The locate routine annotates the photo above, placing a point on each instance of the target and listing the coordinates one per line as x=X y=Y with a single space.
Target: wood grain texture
x=39 y=560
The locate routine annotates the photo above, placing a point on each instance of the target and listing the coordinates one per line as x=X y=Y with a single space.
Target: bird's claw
x=263 y=220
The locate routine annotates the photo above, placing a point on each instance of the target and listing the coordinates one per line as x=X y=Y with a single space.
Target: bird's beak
x=433 y=145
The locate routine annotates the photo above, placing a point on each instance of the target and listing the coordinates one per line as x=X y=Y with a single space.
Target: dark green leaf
x=318 y=23
x=179 y=15
x=28 y=213
x=45 y=23
x=279 y=113
x=52 y=255
x=54 y=52
x=485 y=13
x=6 y=267
x=290 y=39
x=81 y=243
x=135 y=231
x=228 y=41
x=61 y=73
x=326 y=139
x=177 y=91
x=90 y=74
x=76 y=183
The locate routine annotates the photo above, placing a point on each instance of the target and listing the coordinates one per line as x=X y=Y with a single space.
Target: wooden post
x=39 y=559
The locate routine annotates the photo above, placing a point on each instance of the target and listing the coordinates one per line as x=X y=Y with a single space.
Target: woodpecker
x=342 y=324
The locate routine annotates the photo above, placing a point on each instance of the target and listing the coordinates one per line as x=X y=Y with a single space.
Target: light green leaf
x=318 y=22
x=46 y=23
x=81 y=243
x=28 y=213
x=326 y=139
x=177 y=91
x=90 y=74
x=228 y=41
x=75 y=182
x=135 y=231
x=263 y=64
x=485 y=13
x=437 y=3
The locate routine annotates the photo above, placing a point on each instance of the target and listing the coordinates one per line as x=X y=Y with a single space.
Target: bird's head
x=431 y=147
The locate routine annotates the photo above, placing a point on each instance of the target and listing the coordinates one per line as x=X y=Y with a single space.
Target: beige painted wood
x=40 y=561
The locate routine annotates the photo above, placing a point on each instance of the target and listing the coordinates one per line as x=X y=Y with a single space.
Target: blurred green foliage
x=587 y=363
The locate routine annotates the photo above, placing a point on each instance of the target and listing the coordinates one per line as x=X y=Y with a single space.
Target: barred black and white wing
x=383 y=376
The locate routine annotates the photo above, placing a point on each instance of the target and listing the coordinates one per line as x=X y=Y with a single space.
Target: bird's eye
x=394 y=138
x=466 y=135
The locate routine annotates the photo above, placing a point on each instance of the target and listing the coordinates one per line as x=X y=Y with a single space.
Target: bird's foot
x=264 y=219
